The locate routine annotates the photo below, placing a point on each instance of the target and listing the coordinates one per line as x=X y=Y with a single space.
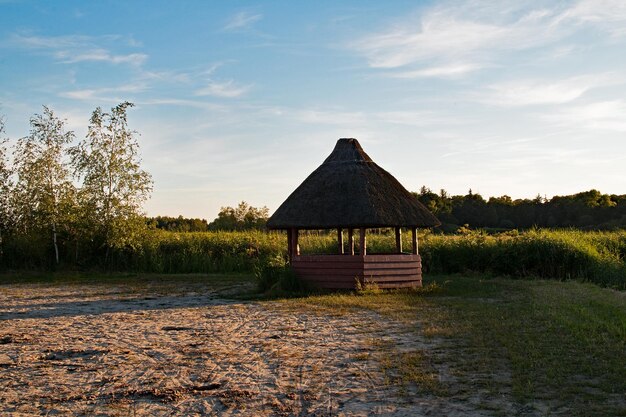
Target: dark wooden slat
x=407 y=284
x=338 y=286
x=391 y=258
x=387 y=278
x=327 y=279
x=387 y=272
x=328 y=258
x=317 y=273
x=391 y=265
x=327 y=265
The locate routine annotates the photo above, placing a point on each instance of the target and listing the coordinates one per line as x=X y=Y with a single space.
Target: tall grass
x=569 y=254
x=566 y=254
x=203 y=252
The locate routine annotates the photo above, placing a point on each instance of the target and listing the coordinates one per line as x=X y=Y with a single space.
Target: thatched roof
x=349 y=190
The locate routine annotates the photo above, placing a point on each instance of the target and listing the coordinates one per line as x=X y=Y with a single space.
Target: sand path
x=116 y=350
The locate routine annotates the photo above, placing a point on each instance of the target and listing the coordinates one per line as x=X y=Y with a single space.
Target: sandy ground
x=117 y=350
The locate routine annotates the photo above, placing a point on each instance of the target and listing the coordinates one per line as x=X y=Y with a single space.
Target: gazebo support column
x=414 y=239
x=340 y=240
x=351 y=240
x=362 y=242
x=296 y=245
x=289 y=245
x=398 y=240
x=293 y=248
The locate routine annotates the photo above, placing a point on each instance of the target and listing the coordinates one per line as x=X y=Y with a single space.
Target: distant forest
x=242 y=217
x=588 y=210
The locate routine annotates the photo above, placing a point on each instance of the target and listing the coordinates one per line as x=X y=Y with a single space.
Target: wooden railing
x=344 y=271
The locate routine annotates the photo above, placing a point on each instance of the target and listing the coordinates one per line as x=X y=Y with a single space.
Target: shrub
x=275 y=276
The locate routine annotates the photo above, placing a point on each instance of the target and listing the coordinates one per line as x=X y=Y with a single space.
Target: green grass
x=559 y=343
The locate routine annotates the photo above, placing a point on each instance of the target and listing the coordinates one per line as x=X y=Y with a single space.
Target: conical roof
x=350 y=191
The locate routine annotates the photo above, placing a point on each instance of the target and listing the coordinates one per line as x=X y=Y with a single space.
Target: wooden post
x=294 y=239
x=351 y=240
x=363 y=242
x=289 y=244
x=398 y=240
x=414 y=238
x=340 y=240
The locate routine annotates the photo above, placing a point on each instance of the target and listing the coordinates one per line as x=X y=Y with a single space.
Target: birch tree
x=6 y=218
x=114 y=187
x=44 y=190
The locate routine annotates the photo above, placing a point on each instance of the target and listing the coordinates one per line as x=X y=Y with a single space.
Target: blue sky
x=242 y=100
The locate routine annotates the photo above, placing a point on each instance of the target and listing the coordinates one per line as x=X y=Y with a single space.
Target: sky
x=238 y=100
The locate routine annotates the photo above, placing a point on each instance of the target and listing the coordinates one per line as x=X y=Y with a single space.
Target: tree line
x=242 y=217
x=588 y=210
x=71 y=200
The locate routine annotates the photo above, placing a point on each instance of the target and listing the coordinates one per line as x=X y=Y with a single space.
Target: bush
x=276 y=277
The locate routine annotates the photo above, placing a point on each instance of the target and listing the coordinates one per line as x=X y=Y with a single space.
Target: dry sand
x=133 y=351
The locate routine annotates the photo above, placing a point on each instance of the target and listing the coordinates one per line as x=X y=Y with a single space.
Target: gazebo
x=350 y=191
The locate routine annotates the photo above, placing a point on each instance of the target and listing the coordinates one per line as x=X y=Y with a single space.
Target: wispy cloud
x=444 y=71
x=181 y=102
x=339 y=118
x=79 y=48
x=533 y=92
x=453 y=39
x=443 y=36
x=226 y=89
x=242 y=20
x=609 y=14
x=603 y=115
x=102 y=55
x=100 y=93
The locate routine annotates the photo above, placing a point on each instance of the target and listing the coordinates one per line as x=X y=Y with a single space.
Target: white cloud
x=78 y=48
x=603 y=115
x=340 y=118
x=181 y=102
x=445 y=71
x=101 y=55
x=413 y=118
x=52 y=42
x=455 y=38
x=532 y=92
x=226 y=89
x=242 y=20
x=98 y=93
x=610 y=15
x=442 y=35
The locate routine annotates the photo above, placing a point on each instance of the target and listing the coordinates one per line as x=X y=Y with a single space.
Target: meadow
x=596 y=257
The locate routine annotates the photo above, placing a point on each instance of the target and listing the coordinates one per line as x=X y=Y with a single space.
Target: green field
x=560 y=344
